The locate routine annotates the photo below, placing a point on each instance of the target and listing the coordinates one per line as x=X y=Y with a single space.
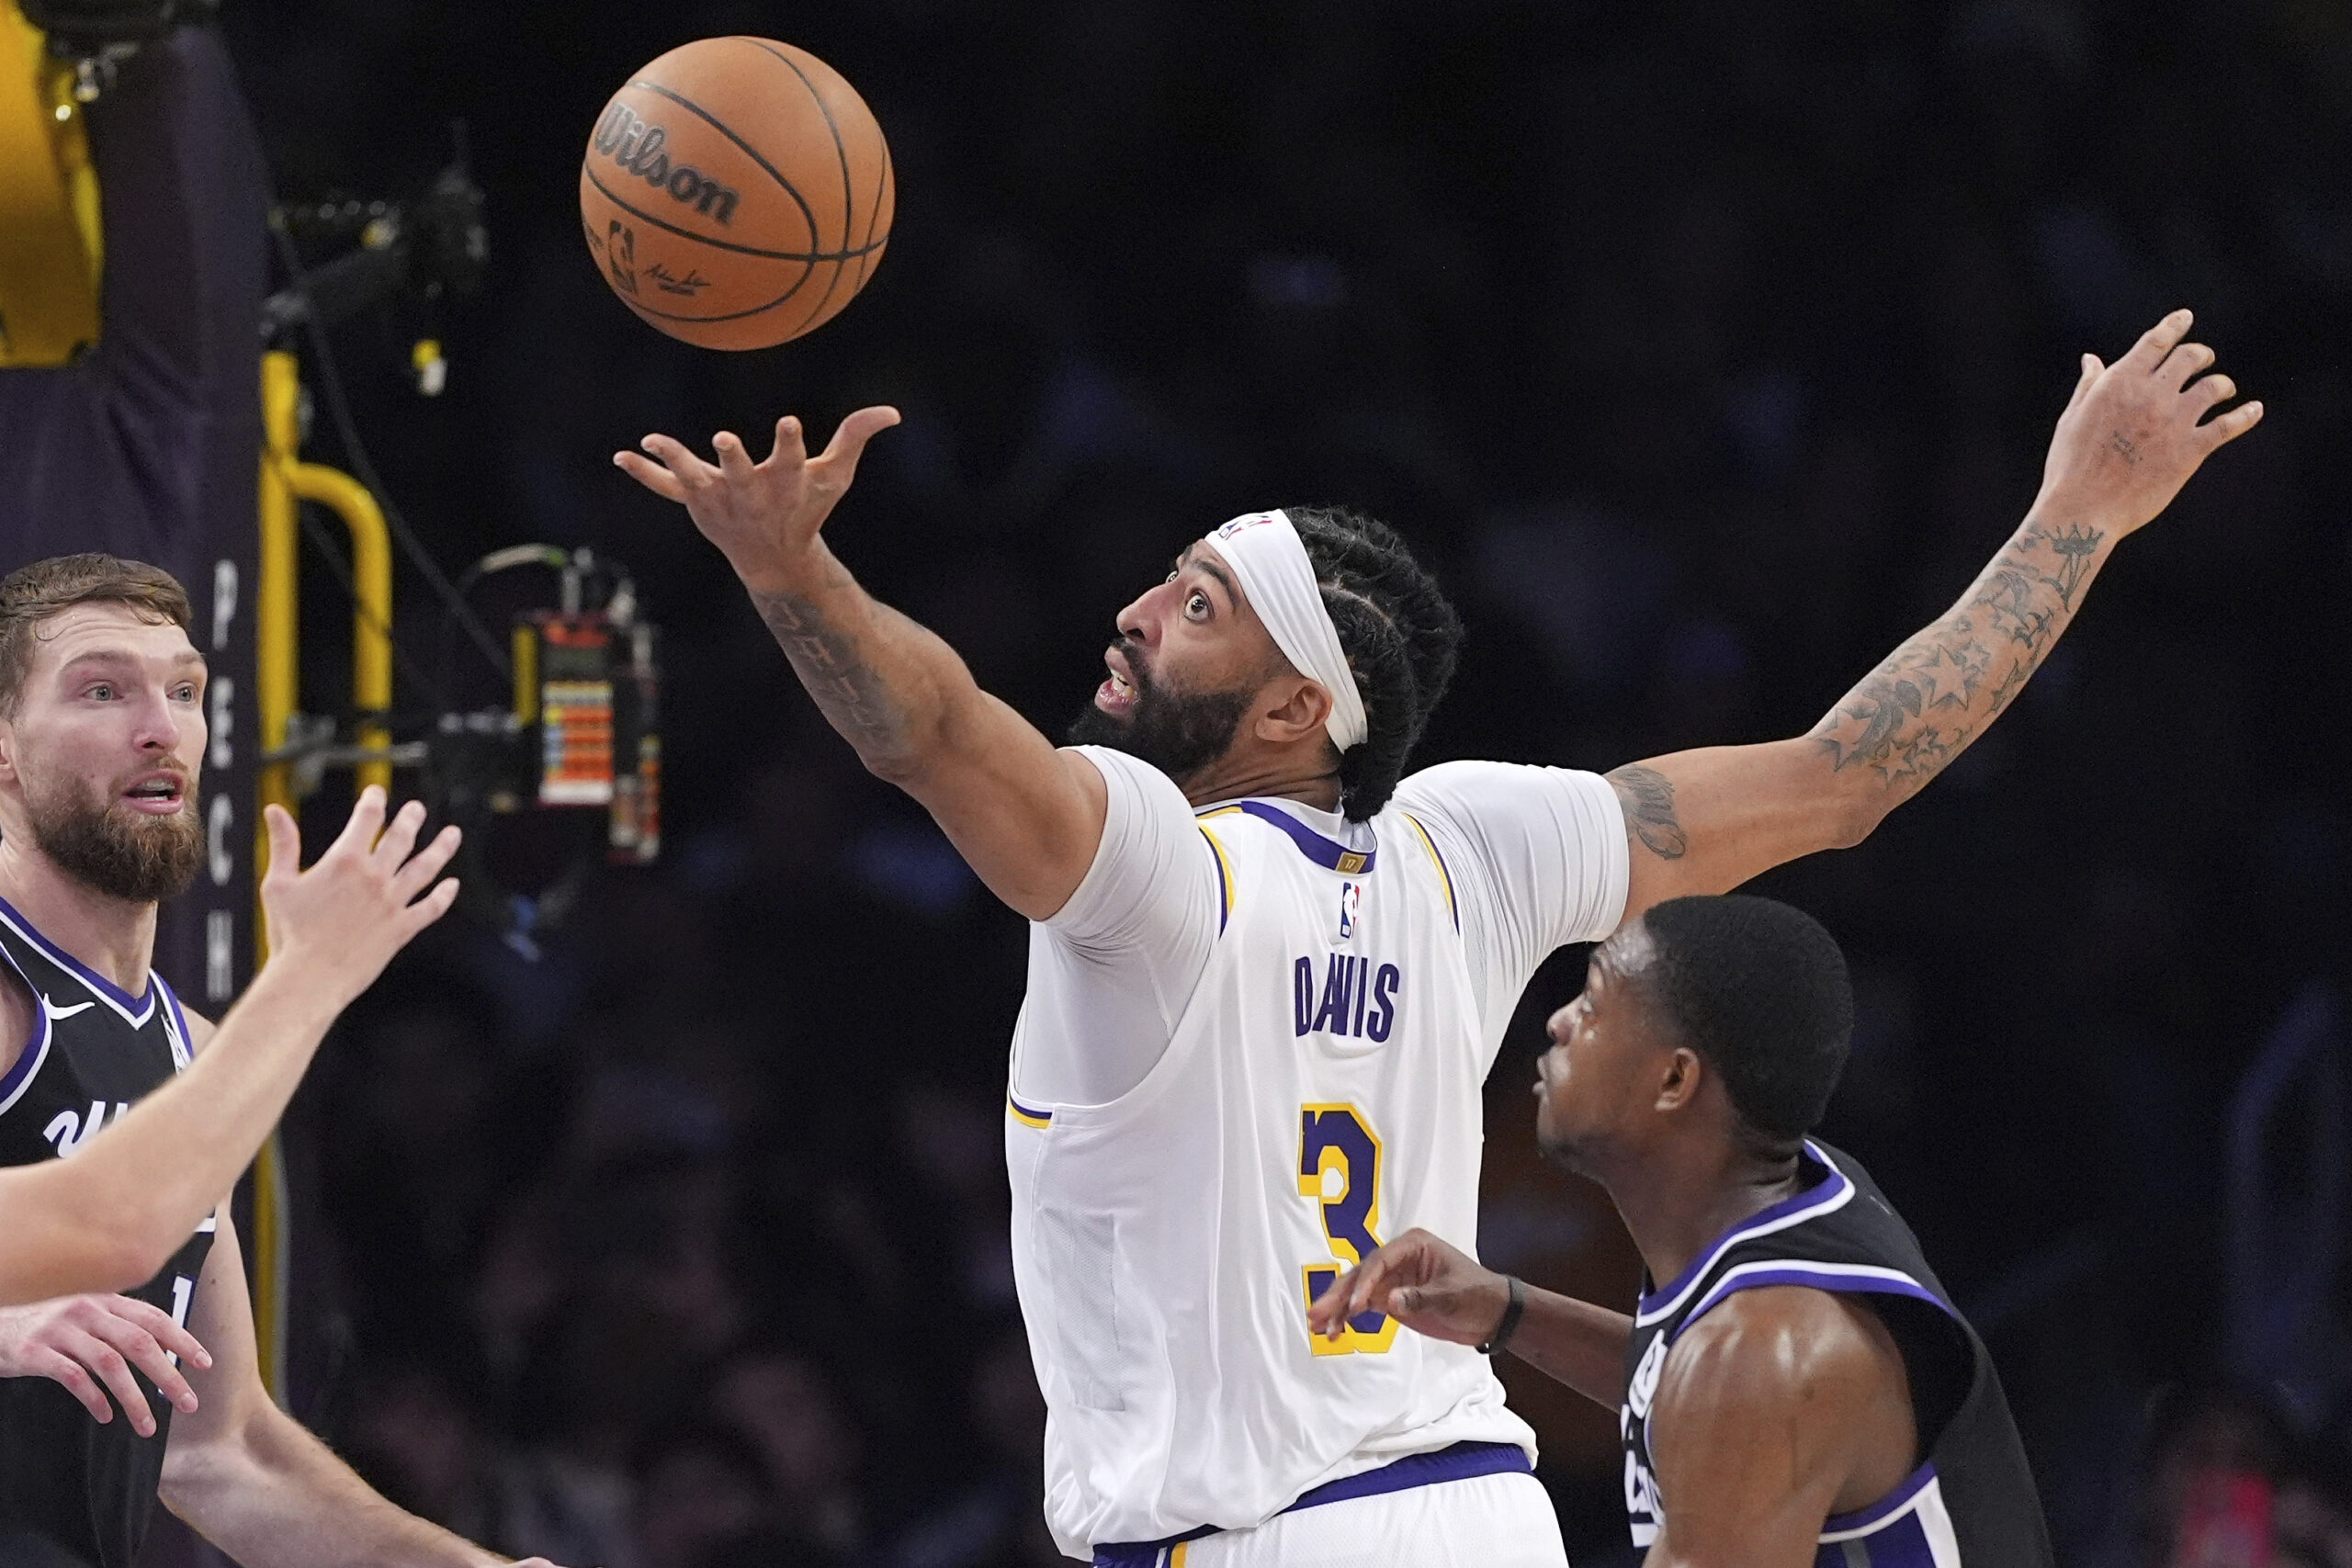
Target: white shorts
x=1485 y=1521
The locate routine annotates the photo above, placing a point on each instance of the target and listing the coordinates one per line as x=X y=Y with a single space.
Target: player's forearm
x=1576 y=1343
x=1907 y=721
x=49 y=1246
x=1705 y=821
x=890 y=685
x=145 y=1182
x=1026 y=819
x=275 y=1496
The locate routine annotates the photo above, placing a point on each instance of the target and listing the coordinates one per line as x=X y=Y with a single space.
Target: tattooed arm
x=1026 y=816
x=1707 y=820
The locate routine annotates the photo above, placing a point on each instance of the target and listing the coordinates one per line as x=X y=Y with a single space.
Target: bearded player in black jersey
x=102 y=732
x=1794 y=1386
x=111 y=1218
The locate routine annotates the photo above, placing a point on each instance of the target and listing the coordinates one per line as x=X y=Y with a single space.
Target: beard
x=127 y=855
x=1177 y=732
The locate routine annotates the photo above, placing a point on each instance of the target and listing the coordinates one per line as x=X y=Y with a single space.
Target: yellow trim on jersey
x=1177 y=1554
x=1438 y=860
x=1026 y=1118
x=1225 y=870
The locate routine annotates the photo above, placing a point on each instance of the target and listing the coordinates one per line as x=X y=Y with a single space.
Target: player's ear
x=1678 y=1084
x=1302 y=708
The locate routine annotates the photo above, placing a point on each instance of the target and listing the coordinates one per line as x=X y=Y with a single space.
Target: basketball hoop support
x=285 y=483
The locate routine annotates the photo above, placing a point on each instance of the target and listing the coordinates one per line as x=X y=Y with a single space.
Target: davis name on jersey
x=1356 y=999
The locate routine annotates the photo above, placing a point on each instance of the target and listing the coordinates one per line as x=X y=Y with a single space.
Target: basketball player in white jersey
x=1269 y=972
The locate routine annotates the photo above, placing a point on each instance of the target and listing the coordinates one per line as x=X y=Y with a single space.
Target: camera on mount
x=565 y=775
x=431 y=247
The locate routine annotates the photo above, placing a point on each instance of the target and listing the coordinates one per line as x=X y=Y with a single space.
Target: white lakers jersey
x=1319 y=1091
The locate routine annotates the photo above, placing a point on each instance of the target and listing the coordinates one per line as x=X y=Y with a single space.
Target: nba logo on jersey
x=1351 y=908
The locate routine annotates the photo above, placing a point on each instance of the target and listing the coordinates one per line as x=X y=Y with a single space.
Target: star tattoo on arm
x=1908 y=718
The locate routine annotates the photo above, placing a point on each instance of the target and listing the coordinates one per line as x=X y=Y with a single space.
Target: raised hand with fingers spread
x=763 y=516
x=339 y=922
x=2135 y=430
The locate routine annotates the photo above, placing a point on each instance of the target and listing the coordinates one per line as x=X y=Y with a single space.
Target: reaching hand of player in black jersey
x=1437 y=1289
x=2135 y=430
x=763 y=516
x=1424 y=1284
x=81 y=1342
x=341 y=921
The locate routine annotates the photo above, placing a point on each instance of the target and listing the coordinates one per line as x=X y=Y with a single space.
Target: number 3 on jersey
x=1339 y=1166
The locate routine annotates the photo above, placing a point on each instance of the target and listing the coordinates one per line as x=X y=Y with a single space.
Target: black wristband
x=1500 y=1339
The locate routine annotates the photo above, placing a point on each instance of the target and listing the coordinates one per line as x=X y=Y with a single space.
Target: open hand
x=345 y=917
x=84 y=1342
x=2131 y=436
x=763 y=516
x=1425 y=1284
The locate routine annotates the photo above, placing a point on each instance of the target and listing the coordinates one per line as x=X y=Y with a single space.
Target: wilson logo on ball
x=635 y=147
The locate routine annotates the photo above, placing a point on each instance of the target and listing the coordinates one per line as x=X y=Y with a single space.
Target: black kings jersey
x=94 y=1052
x=1971 y=1503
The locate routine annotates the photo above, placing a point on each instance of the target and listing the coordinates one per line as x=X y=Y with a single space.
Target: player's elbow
x=105 y=1240
x=902 y=767
x=128 y=1264
x=110 y=1255
x=909 y=753
x=1854 y=817
x=129 y=1248
x=196 y=1468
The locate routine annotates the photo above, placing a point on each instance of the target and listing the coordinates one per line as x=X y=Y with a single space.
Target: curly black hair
x=1400 y=636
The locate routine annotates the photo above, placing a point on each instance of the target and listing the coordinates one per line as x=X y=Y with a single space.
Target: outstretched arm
x=1436 y=1289
x=108 y=1218
x=1026 y=816
x=255 y=1483
x=1707 y=820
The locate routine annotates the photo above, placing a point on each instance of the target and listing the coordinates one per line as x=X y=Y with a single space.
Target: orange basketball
x=737 y=192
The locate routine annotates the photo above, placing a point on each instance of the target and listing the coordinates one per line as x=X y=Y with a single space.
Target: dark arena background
x=1703 y=349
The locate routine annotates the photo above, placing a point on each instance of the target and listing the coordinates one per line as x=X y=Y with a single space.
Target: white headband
x=1266 y=554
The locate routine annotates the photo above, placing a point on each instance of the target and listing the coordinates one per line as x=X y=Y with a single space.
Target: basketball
x=737 y=193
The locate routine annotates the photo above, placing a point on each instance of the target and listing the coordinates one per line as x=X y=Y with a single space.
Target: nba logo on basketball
x=1351 y=908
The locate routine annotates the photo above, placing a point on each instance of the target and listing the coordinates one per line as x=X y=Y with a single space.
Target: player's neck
x=113 y=938
x=1675 y=1209
x=1304 y=775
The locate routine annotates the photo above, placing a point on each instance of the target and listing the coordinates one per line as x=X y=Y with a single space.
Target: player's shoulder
x=1469 y=788
x=1779 y=1351
x=1132 y=778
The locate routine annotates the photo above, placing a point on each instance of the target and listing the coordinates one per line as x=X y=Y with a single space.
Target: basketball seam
x=811 y=257
x=849 y=193
x=692 y=108
x=881 y=189
x=710 y=320
x=807 y=268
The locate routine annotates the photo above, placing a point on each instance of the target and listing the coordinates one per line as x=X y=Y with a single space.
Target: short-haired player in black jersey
x=102 y=732
x=1794 y=1386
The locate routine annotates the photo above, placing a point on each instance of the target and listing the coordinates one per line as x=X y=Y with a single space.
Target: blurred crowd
x=1705 y=350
